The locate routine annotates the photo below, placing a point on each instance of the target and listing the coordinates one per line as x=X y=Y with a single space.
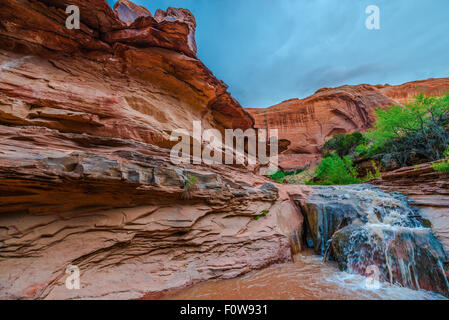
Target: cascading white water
x=362 y=227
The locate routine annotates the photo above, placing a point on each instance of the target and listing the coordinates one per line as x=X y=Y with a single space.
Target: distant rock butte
x=308 y=123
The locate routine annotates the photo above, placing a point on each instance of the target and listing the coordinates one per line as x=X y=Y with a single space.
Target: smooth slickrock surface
x=308 y=123
x=85 y=176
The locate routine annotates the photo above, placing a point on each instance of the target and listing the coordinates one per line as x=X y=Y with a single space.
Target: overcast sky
x=268 y=51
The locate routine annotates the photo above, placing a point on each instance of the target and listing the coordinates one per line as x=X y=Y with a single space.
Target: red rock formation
x=407 y=91
x=310 y=122
x=428 y=189
x=91 y=83
x=84 y=179
x=128 y=12
x=183 y=16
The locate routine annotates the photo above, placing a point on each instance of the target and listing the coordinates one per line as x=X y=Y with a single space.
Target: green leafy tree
x=418 y=130
x=345 y=144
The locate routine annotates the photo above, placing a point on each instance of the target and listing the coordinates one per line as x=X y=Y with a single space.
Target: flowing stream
x=362 y=231
x=309 y=278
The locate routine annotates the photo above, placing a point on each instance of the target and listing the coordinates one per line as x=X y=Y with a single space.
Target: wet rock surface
x=428 y=190
x=361 y=227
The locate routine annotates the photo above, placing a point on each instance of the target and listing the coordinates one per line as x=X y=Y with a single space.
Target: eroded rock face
x=128 y=12
x=183 y=16
x=308 y=123
x=91 y=84
x=85 y=175
x=406 y=92
x=120 y=212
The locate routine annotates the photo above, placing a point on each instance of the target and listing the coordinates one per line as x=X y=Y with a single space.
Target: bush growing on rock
x=282 y=176
x=335 y=170
x=442 y=166
x=403 y=136
x=415 y=133
x=345 y=144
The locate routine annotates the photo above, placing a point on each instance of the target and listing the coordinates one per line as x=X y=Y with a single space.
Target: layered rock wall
x=85 y=174
x=308 y=123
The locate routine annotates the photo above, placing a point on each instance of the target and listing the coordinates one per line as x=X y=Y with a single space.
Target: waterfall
x=362 y=227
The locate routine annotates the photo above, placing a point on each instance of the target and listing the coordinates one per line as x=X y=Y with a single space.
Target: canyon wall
x=308 y=123
x=85 y=174
x=86 y=179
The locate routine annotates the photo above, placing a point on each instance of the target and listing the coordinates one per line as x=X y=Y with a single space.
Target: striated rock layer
x=136 y=82
x=85 y=176
x=120 y=212
x=308 y=123
x=129 y=12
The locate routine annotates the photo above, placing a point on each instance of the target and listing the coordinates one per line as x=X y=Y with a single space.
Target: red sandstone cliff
x=85 y=176
x=85 y=180
x=107 y=79
x=308 y=123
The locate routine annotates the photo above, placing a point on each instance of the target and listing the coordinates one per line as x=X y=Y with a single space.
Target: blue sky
x=268 y=51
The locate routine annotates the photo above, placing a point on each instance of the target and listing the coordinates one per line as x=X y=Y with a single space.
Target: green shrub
x=335 y=170
x=280 y=176
x=371 y=175
x=362 y=151
x=190 y=183
x=442 y=166
x=345 y=144
x=262 y=214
